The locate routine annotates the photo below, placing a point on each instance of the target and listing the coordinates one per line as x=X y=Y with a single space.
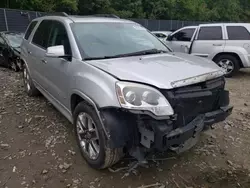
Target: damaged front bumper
x=196 y=108
x=175 y=138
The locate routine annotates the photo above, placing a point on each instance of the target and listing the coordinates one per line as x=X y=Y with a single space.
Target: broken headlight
x=135 y=96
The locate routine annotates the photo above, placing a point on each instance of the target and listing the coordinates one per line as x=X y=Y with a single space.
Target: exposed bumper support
x=176 y=138
x=218 y=115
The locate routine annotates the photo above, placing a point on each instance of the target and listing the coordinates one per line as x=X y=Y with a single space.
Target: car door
x=180 y=41
x=209 y=41
x=37 y=51
x=238 y=37
x=25 y=47
x=56 y=69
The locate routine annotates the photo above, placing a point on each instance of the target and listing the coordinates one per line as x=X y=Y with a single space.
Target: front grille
x=190 y=101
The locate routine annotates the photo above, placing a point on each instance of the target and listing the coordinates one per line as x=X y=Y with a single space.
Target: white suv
x=227 y=44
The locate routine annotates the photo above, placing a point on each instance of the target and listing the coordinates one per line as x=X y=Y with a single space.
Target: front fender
x=93 y=83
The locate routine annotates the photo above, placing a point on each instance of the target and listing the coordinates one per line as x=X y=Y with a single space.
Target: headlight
x=141 y=97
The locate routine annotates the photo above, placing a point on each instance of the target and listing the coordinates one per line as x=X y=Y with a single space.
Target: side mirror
x=55 y=51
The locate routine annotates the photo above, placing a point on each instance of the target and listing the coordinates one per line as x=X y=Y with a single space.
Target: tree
x=197 y=10
x=87 y=7
x=49 y=5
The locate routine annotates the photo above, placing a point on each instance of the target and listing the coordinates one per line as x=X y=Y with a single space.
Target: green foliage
x=203 y=10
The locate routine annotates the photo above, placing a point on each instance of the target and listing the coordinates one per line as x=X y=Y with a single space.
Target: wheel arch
x=229 y=53
x=78 y=97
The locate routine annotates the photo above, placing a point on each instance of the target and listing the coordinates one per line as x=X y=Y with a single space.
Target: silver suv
x=227 y=44
x=124 y=90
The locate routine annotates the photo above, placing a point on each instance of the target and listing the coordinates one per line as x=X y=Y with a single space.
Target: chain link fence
x=18 y=20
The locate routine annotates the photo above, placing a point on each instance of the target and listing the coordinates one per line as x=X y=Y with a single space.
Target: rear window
x=29 y=30
x=237 y=33
x=210 y=33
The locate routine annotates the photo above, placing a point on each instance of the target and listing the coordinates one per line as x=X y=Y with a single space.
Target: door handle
x=44 y=61
x=217 y=44
x=29 y=52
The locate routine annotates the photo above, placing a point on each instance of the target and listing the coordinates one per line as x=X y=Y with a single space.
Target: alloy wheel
x=26 y=78
x=88 y=135
x=227 y=65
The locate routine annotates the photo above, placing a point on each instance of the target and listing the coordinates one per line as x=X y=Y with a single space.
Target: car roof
x=85 y=19
x=229 y=24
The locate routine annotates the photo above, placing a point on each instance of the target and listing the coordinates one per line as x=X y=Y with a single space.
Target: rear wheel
x=28 y=83
x=91 y=138
x=229 y=63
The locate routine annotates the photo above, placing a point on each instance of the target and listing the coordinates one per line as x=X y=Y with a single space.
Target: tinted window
x=183 y=35
x=42 y=34
x=238 y=33
x=160 y=35
x=210 y=33
x=29 y=30
x=58 y=36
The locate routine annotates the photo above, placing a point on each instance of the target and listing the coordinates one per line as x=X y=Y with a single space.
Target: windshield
x=14 y=39
x=96 y=40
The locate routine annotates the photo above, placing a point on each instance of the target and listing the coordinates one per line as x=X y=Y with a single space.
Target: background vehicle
x=10 y=43
x=118 y=85
x=162 y=35
x=227 y=44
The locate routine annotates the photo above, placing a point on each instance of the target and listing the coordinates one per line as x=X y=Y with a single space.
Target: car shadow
x=242 y=74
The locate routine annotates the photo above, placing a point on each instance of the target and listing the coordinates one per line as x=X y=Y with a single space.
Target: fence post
x=36 y=15
x=171 y=24
x=29 y=16
x=5 y=19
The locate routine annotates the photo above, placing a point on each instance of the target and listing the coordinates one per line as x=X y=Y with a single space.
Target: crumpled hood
x=159 y=70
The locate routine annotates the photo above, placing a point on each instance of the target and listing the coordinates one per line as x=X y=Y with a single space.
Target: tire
x=106 y=156
x=28 y=84
x=228 y=60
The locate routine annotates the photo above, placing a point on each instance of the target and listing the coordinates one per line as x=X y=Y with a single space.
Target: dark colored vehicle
x=10 y=43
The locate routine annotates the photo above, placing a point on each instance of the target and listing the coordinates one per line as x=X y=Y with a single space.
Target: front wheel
x=91 y=138
x=229 y=63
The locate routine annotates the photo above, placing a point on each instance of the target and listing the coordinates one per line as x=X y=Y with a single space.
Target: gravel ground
x=38 y=149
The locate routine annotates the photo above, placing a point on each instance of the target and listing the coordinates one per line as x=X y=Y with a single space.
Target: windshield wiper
x=143 y=52
x=98 y=58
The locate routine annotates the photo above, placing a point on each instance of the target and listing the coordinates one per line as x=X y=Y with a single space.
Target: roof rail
x=59 y=14
x=106 y=15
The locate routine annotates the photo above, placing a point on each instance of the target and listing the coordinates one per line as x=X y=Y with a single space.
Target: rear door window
x=237 y=33
x=30 y=29
x=210 y=33
x=183 y=35
x=41 y=35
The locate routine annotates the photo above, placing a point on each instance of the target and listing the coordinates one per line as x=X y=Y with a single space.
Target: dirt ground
x=38 y=149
